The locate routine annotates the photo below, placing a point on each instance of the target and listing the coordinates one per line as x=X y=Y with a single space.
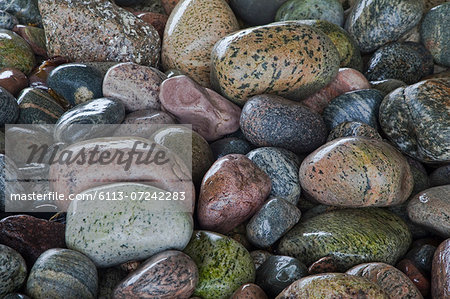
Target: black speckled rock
x=223 y=264
x=9 y=109
x=269 y=120
x=361 y=106
x=422 y=257
x=278 y=272
x=282 y=167
x=276 y=217
x=13 y=270
x=37 y=106
x=353 y=129
x=256 y=12
x=286 y=58
x=416 y=120
x=62 y=273
x=435 y=34
x=328 y=10
x=431 y=208
x=427 y=58
x=351 y=236
x=440 y=176
x=375 y=23
x=95 y=112
x=259 y=257
x=7 y=21
x=396 y=61
x=388 y=85
x=26 y=11
x=230 y=145
x=77 y=83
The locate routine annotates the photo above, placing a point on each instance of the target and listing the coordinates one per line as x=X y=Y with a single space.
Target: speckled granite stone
x=350 y=236
x=440 y=283
x=276 y=217
x=375 y=23
x=328 y=10
x=108 y=32
x=399 y=61
x=77 y=83
x=107 y=231
x=95 y=112
x=323 y=265
x=259 y=257
x=230 y=145
x=223 y=264
x=15 y=52
x=26 y=11
x=431 y=208
x=9 y=109
x=286 y=58
x=278 y=272
x=13 y=270
x=353 y=129
x=36 y=106
x=135 y=85
x=282 y=167
x=393 y=281
x=416 y=120
x=388 y=85
x=193 y=28
x=7 y=21
x=249 y=291
x=63 y=273
x=435 y=35
x=440 y=176
x=232 y=190
x=333 y=285
x=269 y=120
x=166 y=275
x=361 y=105
x=357 y=172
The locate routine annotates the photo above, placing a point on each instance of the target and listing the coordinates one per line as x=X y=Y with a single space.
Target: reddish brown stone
x=155 y=19
x=130 y=266
x=416 y=276
x=13 y=80
x=440 y=273
x=323 y=265
x=38 y=76
x=169 y=5
x=232 y=190
x=249 y=291
x=346 y=80
x=31 y=236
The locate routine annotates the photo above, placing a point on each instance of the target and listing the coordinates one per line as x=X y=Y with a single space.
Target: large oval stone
x=63 y=273
x=393 y=281
x=333 y=285
x=287 y=58
x=166 y=275
x=270 y=120
x=440 y=283
x=434 y=34
x=106 y=31
x=13 y=270
x=375 y=23
x=232 y=190
x=350 y=236
x=223 y=264
x=357 y=172
x=112 y=232
x=416 y=119
x=194 y=26
x=15 y=52
x=431 y=209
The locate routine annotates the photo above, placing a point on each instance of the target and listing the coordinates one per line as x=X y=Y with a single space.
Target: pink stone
x=210 y=114
x=232 y=190
x=346 y=80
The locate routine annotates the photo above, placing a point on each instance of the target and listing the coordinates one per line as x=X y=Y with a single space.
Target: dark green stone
x=15 y=52
x=350 y=236
x=435 y=33
x=328 y=10
x=360 y=106
x=256 y=12
x=9 y=109
x=26 y=11
x=223 y=264
x=278 y=272
x=85 y=121
x=77 y=83
x=36 y=106
x=230 y=145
